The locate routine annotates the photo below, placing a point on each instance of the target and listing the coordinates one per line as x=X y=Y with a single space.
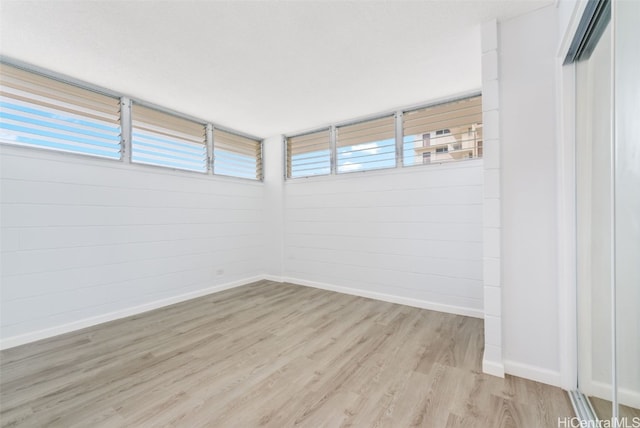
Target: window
x=38 y=111
x=159 y=138
x=309 y=154
x=435 y=134
x=236 y=156
x=54 y=113
x=366 y=145
x=448 y=132
x=426 y=157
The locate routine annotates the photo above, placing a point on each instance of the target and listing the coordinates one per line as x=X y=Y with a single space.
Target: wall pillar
x=492 y=232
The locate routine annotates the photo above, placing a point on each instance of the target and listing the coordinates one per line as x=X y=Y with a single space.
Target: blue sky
x=33 y=125
x=359 y=157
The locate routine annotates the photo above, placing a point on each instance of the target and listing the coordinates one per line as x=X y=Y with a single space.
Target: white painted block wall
x=530 y=306
x=492 y=239
x=412 y=235
x=85 y=240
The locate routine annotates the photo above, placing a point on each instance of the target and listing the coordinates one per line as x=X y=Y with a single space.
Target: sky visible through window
x=156 y=149
x=358 y=157
x=234 y=164
x=39 y=126
x=366 y=156
x=311 y=163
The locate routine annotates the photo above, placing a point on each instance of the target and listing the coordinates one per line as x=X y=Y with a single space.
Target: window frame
x=157 y=135
x=259 y=160
x=125 y=123
x=288 y=157
x=73 y=90
x=444 y=131
x=399 y=138
x=377 y=118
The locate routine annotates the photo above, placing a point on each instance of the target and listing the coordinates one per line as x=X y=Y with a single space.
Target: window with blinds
x=443 y=133
x=38 y=111
x=161 y=139
x=309 y=154
x=366 y=145
x=236 y=156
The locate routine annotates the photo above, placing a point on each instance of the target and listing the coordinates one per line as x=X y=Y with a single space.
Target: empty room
x=320 y=213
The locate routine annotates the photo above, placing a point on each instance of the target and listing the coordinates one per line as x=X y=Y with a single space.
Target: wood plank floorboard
x=604 y=411
x=271 y=355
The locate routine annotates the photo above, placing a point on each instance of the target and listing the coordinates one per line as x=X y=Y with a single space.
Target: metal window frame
x=126 y=130
x=399 y=139
x=429 y=105
x=59 y=77
x=285 y=139
x=79 y=84
x=392 y=115
x=209 y=139
x=260 y=142
x=333 y=151
x=443 y=101
x=129 y=123
x=398 y=114
x=125 y=114
x=261 y=178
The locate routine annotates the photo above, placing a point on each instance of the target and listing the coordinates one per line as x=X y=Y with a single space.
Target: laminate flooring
x=604 y=411
x=273 y=355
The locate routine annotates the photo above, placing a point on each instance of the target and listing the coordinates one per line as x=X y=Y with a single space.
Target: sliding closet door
x=594 y=208
x=608 y=215
x=627 y=206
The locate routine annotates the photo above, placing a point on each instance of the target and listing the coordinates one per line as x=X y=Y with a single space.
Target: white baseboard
x=22 y=339
x=493 y=368
x=423 y=304
x=603 y=390
x=538 y=374
x=273 y=278
x=14 y=341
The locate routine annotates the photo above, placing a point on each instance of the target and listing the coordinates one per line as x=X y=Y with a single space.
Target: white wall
x=85 y=240
x=412 y=236
x=492 y=361
x=273 y=152
x=627 y=100
x=530 y=311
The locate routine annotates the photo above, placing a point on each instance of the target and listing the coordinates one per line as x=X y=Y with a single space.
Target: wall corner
x=492 y=231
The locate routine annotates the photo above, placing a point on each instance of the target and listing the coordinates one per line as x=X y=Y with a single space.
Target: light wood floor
x=604 y=411
x=274 y=355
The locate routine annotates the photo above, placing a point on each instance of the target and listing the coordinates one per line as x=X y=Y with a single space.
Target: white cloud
x=7 y=136
x=350 y=166
x=368 y=148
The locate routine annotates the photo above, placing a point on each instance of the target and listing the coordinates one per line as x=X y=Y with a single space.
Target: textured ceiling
x=266 y=67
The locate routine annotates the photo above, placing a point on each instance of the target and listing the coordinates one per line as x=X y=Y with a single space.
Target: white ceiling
x=265 y=67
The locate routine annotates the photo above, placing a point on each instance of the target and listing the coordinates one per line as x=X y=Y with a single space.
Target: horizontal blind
x=366 y=145
x=39 y=111
x=236 y=156
x=309 y=154
x=162 y=139
x=443 y=133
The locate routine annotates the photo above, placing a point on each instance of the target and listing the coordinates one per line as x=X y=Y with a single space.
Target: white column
x=273 y=164
x=492 y=361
